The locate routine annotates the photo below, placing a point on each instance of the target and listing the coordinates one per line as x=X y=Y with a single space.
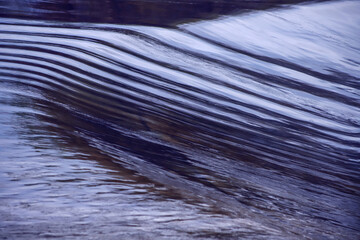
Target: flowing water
x=133 y=122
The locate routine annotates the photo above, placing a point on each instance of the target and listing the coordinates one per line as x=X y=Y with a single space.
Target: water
x=199 y=125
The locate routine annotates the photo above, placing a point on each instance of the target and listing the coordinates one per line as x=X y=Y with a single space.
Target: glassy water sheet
x=243 y=127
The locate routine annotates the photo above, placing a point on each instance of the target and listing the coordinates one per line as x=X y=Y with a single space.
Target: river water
x=222 y=121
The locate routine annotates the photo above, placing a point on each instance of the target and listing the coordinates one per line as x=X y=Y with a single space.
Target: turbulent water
x=246 y=126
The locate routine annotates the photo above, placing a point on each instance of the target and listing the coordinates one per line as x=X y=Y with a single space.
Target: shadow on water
x=156 y=13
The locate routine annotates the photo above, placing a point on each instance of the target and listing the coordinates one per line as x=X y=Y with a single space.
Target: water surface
x=236 y=126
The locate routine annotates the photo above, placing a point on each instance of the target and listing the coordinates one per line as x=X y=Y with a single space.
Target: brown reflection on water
x=173 y=174
x=55 y=184
x=53 y=126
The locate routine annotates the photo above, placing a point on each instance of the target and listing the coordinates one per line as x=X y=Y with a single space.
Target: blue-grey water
x=238 y=122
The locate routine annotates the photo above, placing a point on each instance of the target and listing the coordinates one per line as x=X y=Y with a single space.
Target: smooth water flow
x=199 y=125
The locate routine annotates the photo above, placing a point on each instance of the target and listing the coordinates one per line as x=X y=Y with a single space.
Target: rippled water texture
x=243 y=126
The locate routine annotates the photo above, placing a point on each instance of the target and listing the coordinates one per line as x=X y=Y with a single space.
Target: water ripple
x=250 y=120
